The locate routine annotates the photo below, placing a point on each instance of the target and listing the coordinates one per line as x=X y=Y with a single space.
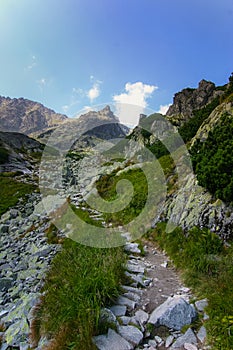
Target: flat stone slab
x=112 y=341
x=174 y=313
x=131 y=334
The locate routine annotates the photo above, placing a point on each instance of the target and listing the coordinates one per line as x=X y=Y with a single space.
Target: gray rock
x=127 y=302
x=188 y=337
x=133 y=296
x=169 y=341
x=107 y=316
x=132 y=248
x=135 y=268
x=201 y=335
x=125 y=320
x=5 y=283
x=174 y=313
x=201 y=304
x=131 y=334
x=111 y=341
x=118 y=310
x=141 y=316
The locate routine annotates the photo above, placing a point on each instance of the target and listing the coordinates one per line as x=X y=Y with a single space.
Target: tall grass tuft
x=81 y=280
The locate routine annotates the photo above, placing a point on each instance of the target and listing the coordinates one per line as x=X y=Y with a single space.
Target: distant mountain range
x=27 y=117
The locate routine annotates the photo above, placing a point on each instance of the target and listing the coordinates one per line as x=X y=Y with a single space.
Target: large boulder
x=174 y=313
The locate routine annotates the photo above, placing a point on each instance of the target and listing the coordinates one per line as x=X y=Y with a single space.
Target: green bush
x=212 y=160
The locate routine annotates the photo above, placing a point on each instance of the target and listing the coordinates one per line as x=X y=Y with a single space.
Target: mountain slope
x=18 y=152
x=27 y=117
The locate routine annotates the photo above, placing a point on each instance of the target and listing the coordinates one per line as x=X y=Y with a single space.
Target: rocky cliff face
x=188 y=100
x=27 y=117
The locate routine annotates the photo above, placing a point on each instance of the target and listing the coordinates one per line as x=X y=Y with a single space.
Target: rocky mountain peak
x=27 y=117
x=188 y=100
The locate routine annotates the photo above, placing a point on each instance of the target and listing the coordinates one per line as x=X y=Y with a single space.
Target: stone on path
x=118 y=310
x=174 y=313
x=112 y=341
x=131 y=334
x=188 y=337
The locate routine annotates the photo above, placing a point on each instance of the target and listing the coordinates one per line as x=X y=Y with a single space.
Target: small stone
x=158 y=339
x=141 y=316
x=169 y=341
x=152 y=343
x=201 y=304
x=118 y=310
x=132 y=248
x=188 y=337
x=201 y=335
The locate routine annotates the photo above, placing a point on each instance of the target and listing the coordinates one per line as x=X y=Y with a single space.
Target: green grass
x=84 y=215
x=106 y=187
x=207 y=267
x=11 y=191
x=81 y=280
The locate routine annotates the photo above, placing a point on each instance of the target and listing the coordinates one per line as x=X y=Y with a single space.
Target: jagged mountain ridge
x=27 y=117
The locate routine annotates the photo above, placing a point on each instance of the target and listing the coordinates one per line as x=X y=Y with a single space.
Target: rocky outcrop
x=18 y=152
x=192 y=205
x=212 y=121
x=27 y=117
x=189 y=100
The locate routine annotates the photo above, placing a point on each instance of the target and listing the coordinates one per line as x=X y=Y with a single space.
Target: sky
x=72 y=55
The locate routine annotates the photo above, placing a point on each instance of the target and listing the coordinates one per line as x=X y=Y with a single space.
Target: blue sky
x=71 y=54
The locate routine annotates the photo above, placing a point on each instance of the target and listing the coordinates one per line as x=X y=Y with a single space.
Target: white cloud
x=133 y=102
x=163 y=109
x=94 y=92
